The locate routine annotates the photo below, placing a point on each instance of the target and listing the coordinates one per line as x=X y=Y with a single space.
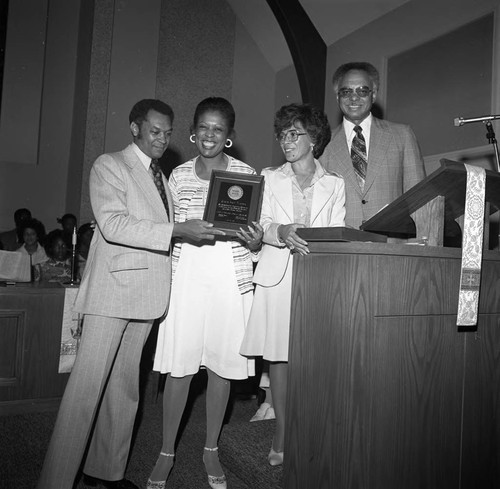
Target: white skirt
x=207 y=316
x=268 y=328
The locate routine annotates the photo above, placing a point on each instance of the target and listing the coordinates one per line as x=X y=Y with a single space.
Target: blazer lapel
x=145 y=182
x=342 y=156
x=379 y=143
x=282 y=191
x=169 y=199
x=322 y=193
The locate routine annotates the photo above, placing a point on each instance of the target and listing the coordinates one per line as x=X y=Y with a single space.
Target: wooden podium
x=384 y=390
x=437 y=201
x=30 y=340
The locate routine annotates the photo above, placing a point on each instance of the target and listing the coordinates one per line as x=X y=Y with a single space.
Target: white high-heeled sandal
x=160 y=484
x=216 y=482
x=275 y=458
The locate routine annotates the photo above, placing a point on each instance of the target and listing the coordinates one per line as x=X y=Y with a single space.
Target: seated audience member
x=68 y=223
x=12 y=239
x=297 y=194
x=58 y=267
x=85 y=234
x=33 y=236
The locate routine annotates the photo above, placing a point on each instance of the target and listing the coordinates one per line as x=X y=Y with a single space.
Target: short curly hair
x=51 y=240
x=314 y=121
x=140 y=110
x=37 y=226
x=368 y=68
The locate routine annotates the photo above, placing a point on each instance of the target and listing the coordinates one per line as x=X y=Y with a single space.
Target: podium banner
x=472 y=246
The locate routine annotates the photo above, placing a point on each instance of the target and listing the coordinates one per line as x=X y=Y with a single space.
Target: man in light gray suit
x=393 y=163
x=125 y=286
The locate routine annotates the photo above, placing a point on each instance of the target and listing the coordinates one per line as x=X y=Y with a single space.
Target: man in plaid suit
x=393 y=160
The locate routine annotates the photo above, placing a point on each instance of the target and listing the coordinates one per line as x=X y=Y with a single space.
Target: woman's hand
x=252 y=237
x=287 y=234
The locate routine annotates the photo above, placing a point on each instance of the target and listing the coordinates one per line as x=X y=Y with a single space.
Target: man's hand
x=196 y=230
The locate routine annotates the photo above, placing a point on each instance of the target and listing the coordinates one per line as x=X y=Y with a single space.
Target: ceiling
x=333 y=19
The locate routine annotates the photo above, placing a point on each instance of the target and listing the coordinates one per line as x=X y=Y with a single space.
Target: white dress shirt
x=366 y=125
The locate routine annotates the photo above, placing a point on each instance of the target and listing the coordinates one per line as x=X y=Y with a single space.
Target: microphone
x=460 y=121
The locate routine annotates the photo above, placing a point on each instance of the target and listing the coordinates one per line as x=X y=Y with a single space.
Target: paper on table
x=14 y=266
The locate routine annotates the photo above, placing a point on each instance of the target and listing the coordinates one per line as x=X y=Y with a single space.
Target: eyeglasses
x=290 y=136
x=362 y=92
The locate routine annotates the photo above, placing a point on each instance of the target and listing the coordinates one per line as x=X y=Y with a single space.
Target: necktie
x=358 y=156
x=157 y=178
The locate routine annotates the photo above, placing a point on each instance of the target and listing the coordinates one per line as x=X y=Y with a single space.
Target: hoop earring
x=191 y=138
x=228 y=143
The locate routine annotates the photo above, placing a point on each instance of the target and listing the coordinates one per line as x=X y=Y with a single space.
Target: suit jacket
x=277 y=208
x=394 y=166
x=128 y=267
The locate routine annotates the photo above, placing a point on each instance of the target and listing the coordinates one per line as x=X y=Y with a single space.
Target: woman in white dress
x=300 y=193
x=211 y=296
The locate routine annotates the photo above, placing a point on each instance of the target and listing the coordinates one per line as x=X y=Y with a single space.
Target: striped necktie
x=358 y=156
x=157 y=178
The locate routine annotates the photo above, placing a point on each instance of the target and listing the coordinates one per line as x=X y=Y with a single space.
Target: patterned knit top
x=189 y=194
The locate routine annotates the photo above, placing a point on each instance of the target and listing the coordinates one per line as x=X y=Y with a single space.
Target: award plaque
x=234 y=200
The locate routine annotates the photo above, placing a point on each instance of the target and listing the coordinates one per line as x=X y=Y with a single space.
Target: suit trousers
x=100 y=402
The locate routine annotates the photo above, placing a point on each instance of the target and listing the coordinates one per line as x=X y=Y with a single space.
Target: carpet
x=243 y=446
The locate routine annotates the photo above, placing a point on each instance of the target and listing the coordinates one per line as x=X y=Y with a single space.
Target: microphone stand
x=73 y=259
x=490 y=135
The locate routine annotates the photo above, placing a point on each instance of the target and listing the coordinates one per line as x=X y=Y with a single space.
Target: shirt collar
x=318 y=173
x=145 y=159
x=366 y=125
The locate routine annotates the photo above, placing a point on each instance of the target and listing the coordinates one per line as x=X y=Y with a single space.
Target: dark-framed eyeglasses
x=290 y=136
x=362 y=92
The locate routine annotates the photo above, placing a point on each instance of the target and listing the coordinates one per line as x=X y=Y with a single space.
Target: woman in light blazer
x=297 y=194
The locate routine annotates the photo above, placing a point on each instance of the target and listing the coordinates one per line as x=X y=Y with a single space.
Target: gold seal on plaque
x=235 y=192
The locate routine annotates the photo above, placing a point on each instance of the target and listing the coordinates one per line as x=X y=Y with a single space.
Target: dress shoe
x=216 y=482
x=156 y=485
x=269 y=414
x=275 y=458
x=160 y=484
x=261 y=413
x=88 y=480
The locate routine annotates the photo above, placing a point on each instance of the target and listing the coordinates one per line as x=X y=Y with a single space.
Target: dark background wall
x=195 y=60
x=37 y=108
x=93 y=60
x=450 y=77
